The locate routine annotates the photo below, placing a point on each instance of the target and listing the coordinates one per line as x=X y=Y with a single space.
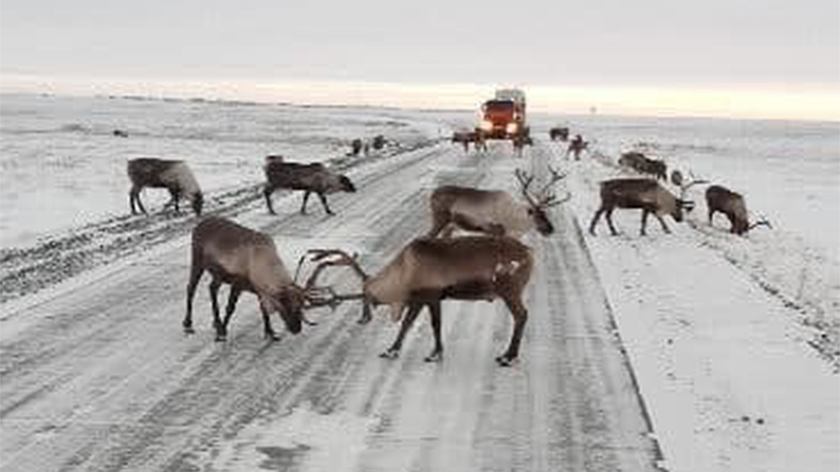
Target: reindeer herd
x=489 y=263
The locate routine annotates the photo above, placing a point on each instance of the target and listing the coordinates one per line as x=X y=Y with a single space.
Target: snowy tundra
x=698 y=350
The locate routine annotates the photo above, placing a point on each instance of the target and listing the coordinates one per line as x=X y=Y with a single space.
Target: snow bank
x=719 y=330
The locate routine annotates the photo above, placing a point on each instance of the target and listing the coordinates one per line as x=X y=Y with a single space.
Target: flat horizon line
x=709 y=103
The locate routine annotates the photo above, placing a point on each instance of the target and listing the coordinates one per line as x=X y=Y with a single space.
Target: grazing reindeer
x=731 y=204
x=559 y=133
x=172 y=175
x=428 y=271
x=645 y=194
x=493 y=211
x=248 y=261
x=308 y=177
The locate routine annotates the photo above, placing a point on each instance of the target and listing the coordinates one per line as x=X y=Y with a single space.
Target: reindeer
x=576 y=146
x=645 y=194
x=641 y=163
x=172 y=175
x=559 y=133
x=428 y=271
x=308 y=177
x=493 y=211
x=731 y=204
x=519 y=142
x=248 y=261
x=464 y=138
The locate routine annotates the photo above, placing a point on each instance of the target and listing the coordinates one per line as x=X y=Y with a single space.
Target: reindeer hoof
x=390 y=354
x=220 y=338
x=189 y=330
x=505 y=361
x=365 y=319
x=434 y=357
x=272 y=337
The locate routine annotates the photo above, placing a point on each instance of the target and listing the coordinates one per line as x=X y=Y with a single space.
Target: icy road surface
x=100 y=376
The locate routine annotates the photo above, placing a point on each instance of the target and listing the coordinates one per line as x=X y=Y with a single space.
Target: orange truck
x=503 y=117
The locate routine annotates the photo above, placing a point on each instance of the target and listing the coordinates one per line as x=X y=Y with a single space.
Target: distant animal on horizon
x=247 y=260
x=643 y=164
x=561 y=133
x=120 y=133
x=355 y=147
x=428 y=271
x=173 y=175
x=378 y=142
x=644 y=194
x=307 y=177
x=731 y=204
x=493 y=212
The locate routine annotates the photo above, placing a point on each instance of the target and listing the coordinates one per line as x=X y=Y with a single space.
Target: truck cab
x=503 y=117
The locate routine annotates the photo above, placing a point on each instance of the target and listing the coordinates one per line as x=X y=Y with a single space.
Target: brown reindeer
x=645 y=194
x=428 y=271
x=642 y=164
x=731 y=204
x=307 y=177
x=494 y=212
x=172 y=175
x=561 y=133
x=247 y=260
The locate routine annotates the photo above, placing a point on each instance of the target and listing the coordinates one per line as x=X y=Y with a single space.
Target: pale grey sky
x=543 y=42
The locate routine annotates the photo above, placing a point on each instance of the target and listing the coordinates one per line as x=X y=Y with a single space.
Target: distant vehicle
x=503 y=117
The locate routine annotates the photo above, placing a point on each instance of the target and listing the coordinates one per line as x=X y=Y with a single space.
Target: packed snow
x=733 y=341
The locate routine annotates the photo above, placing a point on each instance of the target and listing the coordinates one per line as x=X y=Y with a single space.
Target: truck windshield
x=499 y=105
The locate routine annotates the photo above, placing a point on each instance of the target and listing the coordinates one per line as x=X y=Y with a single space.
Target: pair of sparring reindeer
x=427 y=270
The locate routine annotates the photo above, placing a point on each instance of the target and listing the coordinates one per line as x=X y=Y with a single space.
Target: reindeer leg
x=214 y=300
x=711 y=213
x=305 y=199
x=324 y=203
x=195 y=275
x=133 y=194
x=595 y=218
x=520 y=317
x=644 y=220
x=140 y=202
x=394 y=351
x=434 y=313
x=267 y=191
x=662 y=222
x=269 y=331
x=233 y=297
x=610 y=222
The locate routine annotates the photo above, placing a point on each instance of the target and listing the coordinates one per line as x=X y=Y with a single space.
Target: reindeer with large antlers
x=494 y=212
x=428 y=271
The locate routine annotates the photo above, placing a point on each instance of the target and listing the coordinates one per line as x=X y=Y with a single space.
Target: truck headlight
x=486 y=125
x=511 y=128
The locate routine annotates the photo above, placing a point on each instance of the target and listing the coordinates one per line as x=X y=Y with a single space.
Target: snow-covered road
x=99 y=376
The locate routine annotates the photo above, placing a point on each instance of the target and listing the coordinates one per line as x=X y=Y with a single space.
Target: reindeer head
x=540 y=203
x=288 y=302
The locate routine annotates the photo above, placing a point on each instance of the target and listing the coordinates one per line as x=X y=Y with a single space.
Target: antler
x=525 y=181
x=344 y=259
x=694 y=181
x=326 y=296
x=762 y=221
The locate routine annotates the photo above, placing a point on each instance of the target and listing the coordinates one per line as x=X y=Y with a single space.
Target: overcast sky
x=661 y=43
